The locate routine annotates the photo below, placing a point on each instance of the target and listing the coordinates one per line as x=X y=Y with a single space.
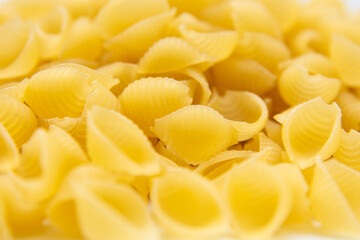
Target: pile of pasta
x=178 y=119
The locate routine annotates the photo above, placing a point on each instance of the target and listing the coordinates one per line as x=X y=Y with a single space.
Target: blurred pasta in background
x=178 y=119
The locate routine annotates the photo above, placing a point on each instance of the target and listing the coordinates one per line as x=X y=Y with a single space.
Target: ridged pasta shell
x=202 y=92
x=273 y=131
x=259 y=198
x=243 y=75
x=195 y=133
x=218 y=45
x=66 y=123
x=20 y=53
x=131 y=44
x=246 y=18
x=162 y=95
x=171 y=54
x=312 y=130
x=82 y=36
x=298 y=85
x=262 y=48
x=335 y=199
x=169 y=154
x=345 y=54
x=118 y=15
x=17 y=118
x=187 y=205
x=306 y=41
x=117 y=144
x=9 y=154
x=348 y=151
x=350 y=107
x=15 y=89
x=246 y=111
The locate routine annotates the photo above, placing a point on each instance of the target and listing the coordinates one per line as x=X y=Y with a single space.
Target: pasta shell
x=82 y=36
x=348 y=151
x=187 y=205
x=259 y=199
x=190 y=6
x=17 y=118
x=344 y=54
x=246 y=18
x=131 y=44
x=350 y=107
x=312 y=130
x=219 y=14
x=243 y=75
x=297 y=85
x=171 y=54
x=9 y=154
x=305 y=41
x=202 y=92
x=246 y=111
x=162 y=95
x=15 y=89
x=195 y=133
x=334 y=202
x=118 y=145
x=273 y=131
x=218 y=45
x=169 y=154
x=118 y=15
x=66 y=123
x=262 y=48
x=5 y=232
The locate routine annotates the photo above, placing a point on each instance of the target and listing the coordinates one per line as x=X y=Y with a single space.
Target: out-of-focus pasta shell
x=118 y=145
x=82 y=40
x=345 y=54
x=17 y=118
x=9 y=154
x=195 y=133
x=218 y=45
x=118 y=15
x=298 y=85
x=348 y=151
x=243 y=75
x=350 y=107
x=5 y=232
x=162 y=95
x=15 y=89
x=188 y=205
x=219 y=14
x=312 y=130
x=191 y=6
x=273 y=131
x=262 y=48
x=66 y=123
x=259 y=198
x=246 y=111
x=305 y=41
x=334 y=198
x=246 y=18
x=171 y=54
x=131 y=44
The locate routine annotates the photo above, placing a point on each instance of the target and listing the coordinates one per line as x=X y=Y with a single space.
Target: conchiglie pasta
x=9 y=154
x=297 y=85
x=311 y=131
x=202 y=92
x=161 y=95
x=219 y=14
x=305 y=41
x=246 y=111
x=348 y=151
x=15 y=89
x=350 y=107
x=195 y=133
x=188 y=206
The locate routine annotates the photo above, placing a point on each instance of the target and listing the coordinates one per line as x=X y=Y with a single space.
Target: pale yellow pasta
x=117 y=15
x=188 y=206
x=273 y=131
x=298 y=85
x=350 y=107
x=17 y=118
x=243 y=75
x=169 y=154
x=131 y=44
x=108 y=147
x=68 y=124
x=15 y=89
x=259 y=198
x=246 y=111
x=305 y=41
x=348 y=151
x=312 y=130
x=202 y=92
x=162 y=95
x=262 y=48
x=4 y=226
x=219 y=14
x=191 y=6
x=9 y=154
x=171 y=54
x=213 y=133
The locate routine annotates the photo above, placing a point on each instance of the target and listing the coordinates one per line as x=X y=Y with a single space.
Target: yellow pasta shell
x=66 y=123
x=9 y=154
x=118 y=145
x=5 y=232
x=187 y=205
x=348 y=151
x=171 y=54
x=131 y=44
x=297 y=85
x=350 y=107
x=219 y=14
x=195 y=133
x=306 y=41
x=273 y=131
x=17 y=118
x=243 y=75
x=15 y=89
x=246 y=111
x=312 y=130
x=202 y=92
x=162 y=95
